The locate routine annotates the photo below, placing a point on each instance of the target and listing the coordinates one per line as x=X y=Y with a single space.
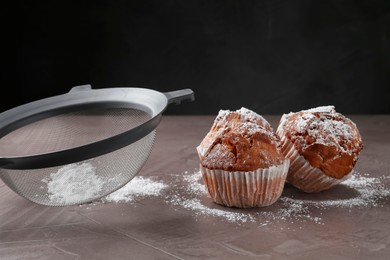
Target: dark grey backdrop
x=271 y=56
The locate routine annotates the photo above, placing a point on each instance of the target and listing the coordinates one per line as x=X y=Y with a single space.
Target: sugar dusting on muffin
x=240 y=140
x=327 y=139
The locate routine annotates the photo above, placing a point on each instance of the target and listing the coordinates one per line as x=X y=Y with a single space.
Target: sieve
x=80 y=146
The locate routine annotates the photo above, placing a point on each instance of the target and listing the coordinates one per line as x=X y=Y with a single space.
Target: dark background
x=271 y=56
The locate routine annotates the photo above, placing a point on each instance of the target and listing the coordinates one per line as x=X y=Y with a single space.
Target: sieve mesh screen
x=70 y=130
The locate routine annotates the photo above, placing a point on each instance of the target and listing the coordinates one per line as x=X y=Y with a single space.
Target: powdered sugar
x=322 y=109
x=73 y=183
x=188 y=192
x=244 y=115
x=195 y=205
x=250 y=128
x=138 y=187
x=78 y=182
x=194 y=192
x=196 y=187
x=368 y=192
x=250 y=116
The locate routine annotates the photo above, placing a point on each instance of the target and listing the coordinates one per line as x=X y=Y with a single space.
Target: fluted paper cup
x=259 y=188
x=301 y=174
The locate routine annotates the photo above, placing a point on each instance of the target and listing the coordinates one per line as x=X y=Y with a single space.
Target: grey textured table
x=153 y=228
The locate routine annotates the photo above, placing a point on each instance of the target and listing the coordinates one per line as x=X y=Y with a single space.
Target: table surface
x=168 y=226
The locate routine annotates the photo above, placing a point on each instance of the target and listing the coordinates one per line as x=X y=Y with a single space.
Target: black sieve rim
x=84 y=97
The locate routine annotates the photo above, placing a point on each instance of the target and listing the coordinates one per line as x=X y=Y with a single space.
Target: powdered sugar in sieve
x=73 y=182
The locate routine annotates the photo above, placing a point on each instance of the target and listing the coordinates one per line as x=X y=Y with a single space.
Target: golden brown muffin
x=326 y=140
x=240 y=141
x=241 y=161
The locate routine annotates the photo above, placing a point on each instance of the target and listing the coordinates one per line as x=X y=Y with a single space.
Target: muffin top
x=326 y=139
x=240 y=140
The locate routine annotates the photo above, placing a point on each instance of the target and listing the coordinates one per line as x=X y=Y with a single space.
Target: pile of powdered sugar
x=73 y=183
x=193 y=196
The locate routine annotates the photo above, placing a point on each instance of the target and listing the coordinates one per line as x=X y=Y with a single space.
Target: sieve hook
x=178 y=96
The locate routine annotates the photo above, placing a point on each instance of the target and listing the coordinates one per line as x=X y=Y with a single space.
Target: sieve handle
x=81 y=88
x=4 y=161
x=179 y=95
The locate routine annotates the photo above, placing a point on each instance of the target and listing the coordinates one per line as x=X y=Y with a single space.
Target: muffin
x=241 y=161
x=323 y=147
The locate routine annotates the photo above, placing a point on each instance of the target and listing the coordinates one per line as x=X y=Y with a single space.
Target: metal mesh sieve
x=69 y=130
x=81 y=146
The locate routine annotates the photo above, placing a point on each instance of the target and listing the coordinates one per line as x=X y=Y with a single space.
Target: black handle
x=179 y=95
x=81 y=88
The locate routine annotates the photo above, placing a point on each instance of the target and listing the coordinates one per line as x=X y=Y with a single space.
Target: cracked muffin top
x=326 y=139
x=240 y=140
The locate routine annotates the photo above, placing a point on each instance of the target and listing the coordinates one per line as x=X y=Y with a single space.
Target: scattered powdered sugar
x=195 y=187
x=198 y=190
x=138 y=187
x=195 y=197
x=198 y=208
x=73 y=183
x=77 y=182
x=370 y=191
x=367 y=192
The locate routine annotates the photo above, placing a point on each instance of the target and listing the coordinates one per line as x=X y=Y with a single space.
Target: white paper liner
x=258 y=188
x=301 y=174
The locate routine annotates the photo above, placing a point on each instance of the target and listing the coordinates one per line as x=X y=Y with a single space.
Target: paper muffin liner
x=259 y=188
x=301 y=174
